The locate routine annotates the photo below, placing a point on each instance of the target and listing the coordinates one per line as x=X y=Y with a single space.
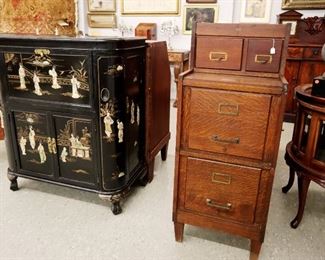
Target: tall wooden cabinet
x=230 y=113
x=74 y=112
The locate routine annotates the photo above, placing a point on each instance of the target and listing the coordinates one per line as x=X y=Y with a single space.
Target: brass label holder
x=218 y=56
x=221 y=178
x=263 y=59
x=234 y=109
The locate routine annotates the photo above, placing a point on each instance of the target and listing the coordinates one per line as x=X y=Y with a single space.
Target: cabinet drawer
x=295 y=52
x=219 y=53
x=259 y=57
x=313 y=53
x=224 y=122
x=222 y=190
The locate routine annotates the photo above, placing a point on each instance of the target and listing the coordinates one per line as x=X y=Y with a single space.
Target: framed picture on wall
x=303 y=4
x=150 y=7
x=102 y=20
x=101 y=5
x=255 y=11
x=198 y=13
x=200 y=1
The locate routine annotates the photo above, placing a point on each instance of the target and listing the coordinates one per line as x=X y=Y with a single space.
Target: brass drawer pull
x=216 y=138
x=218 y=56
x=233 y=109
x=263 y=59
x=221 y=178
x=226 y=206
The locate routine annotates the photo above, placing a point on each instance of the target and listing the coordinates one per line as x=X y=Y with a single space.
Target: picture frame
x=200 y=13
x=101 y=5
x=201 y=1
x=255 y=11
x=102 y=20
x=303 y=4
x=150 y=7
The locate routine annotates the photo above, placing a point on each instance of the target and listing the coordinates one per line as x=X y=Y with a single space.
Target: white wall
x=229 y=11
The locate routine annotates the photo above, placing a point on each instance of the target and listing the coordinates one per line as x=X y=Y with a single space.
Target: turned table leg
x=286 y=188
x=179 y=231
x=178 y=68
x=255 y=249
x=303 y=185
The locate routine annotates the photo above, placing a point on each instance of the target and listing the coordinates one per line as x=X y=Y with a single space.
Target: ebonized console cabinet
x=74 y=112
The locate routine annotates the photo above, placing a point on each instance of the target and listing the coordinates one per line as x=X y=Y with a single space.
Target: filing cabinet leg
x=164 y=151
x=286 y=188
x=303 y=185
x=13 y=182
x=179 y=231
x=255 y=249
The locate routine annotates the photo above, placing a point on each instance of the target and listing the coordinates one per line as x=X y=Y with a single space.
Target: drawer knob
x=315 y=52
x=213 y=204
x=263 y=59
x=216 y=138
x=218 y=56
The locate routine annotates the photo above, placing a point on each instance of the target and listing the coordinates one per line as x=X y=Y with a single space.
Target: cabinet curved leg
x=116 y=207
x=179 y=231
x=255 y=249
x=286 y=188
x=303 y=185
x=13 y=182
x=164 y=151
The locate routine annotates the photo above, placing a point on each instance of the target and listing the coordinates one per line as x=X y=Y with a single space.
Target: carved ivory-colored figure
x=37 y=87
x=75 y=85
x=64 y=154
x=22 y=76
x=41 y=151
x=22 y=143
x=54 y=75
x=132 y=113
x=31 y=137
x=108 y=121
x=120 y=127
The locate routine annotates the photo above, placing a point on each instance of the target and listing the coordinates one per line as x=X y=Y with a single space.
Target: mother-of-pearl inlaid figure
x=75 y=85
x=37 y=87
x=132 y=112
x=54 y=75
x=41 y=151
x=22 y=144
x=120 y=128
x=138 y=115
x=22 y=76
x=64 y=154
x=108 y=121
x=31 y=137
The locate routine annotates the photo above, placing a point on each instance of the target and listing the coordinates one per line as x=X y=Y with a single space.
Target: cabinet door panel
x=49 y=75
x=34 y=143
x=76 y=153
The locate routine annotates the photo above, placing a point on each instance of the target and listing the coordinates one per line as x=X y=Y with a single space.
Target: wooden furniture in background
x=157 y=103
x=2 y=132
x=230 y=110
x=180 y=60
x=304 y=60
x=305 y=154
x=87 y=126
x=148 y=30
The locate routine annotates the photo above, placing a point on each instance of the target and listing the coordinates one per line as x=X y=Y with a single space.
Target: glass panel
x=320 y=151
x=304 y=137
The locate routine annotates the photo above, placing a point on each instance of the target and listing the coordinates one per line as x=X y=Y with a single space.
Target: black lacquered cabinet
x=74 y=111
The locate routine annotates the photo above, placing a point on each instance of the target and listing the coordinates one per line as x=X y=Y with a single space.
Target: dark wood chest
x=230 y=114
x=74 y=111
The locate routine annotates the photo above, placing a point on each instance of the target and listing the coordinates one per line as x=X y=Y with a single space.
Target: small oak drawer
x=260 y=58
x=295 y=53
x=313 y=53
x=222 y=190
x=219 y=53
x=233 y=123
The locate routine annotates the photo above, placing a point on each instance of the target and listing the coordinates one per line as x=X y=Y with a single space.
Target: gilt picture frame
x=150 y=7
x=255 y=11
x=303 y=4
x=199 y=13
x=102 y=20
x=101 y=5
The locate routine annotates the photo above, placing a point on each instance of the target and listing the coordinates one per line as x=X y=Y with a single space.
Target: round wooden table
x=305 y=154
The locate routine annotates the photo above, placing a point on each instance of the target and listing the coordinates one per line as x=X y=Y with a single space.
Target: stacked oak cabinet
x=230 y=112
x=75 y=112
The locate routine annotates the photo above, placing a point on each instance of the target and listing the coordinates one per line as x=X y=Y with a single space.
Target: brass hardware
x=221 y=178
x=226 y=206
x=216 y=138
x=42 y=52
x=235 y=108
x=218 y=56
x=263 y=59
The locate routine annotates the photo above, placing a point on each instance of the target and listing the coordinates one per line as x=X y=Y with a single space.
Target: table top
x=303 y=92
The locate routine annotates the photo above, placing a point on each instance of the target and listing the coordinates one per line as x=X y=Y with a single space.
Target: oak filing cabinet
x=231 y=105
x=74 y=112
